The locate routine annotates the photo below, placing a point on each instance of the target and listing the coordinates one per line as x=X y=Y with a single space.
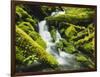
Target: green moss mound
x=77 y=16
x=27 y=27
x=27 y=43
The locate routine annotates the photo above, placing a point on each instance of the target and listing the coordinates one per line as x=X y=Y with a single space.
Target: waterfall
x=63 y=58
x=57 y=13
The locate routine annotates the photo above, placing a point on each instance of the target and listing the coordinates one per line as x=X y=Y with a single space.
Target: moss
x=77 y=16
x=24 y=16
x=59 y=45
x=19 y=55
x=85 y=39
x=27 y=43
x=70 y=31
x=85 y=61
x=53 y=32
x=24 y=57
x=36 y=37
x=80 y=35
x=75 y=26
x=27 y=27
x=21 y=12
x=81 y=58
x=79 y=12
x=30 y=59
x=68 y=47
x=88 y=46
x=32 y=21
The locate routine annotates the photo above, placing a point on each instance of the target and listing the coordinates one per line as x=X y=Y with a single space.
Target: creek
x=65 y=60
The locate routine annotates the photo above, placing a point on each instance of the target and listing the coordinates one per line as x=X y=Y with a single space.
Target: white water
x=57 y=13
x=63 y=58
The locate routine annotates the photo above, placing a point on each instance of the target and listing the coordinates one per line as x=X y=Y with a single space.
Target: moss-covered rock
x=27 y=43
x=19 y=56
x=27 y=27
x=77 y=16
x=81 y=58
x=70 y=31
x=23 y=16
x=88 y=46
x=65 y=46
x=85 y=61
x=23 y=57
x=68 y=47
x=52 y=30
x=59 y=45
x=85 y=39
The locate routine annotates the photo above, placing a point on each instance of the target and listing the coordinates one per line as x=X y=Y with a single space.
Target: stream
x=65 y=60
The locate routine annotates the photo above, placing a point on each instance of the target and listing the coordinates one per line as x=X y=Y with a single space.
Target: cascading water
x=63 y=58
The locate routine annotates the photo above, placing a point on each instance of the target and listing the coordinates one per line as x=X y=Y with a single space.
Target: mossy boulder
x=24 y=58
x=70 y=31
x=85 y=61
x=27 y=27
x=68 y=47
x=59 y=45
x=52 y=30
x=81 y=58
x=88 y=46
x=27 y=43
x=65 y=46
x=77 y=16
